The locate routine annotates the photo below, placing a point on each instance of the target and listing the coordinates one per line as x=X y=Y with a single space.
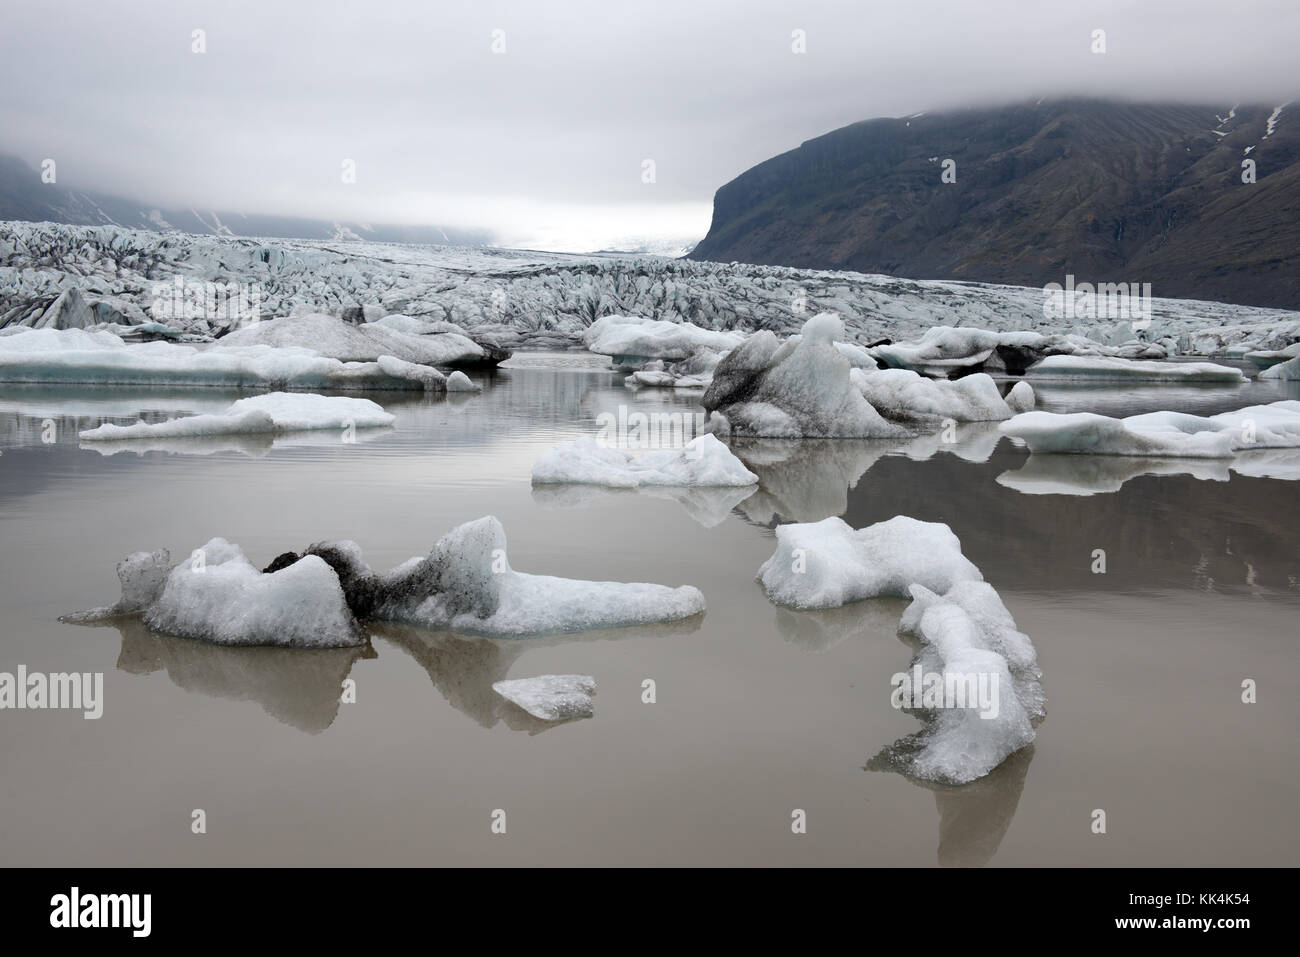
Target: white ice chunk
x=550 y=697
x=274 y=412
x=460 y=382
x=1021 y=398
x=1161 y=434
x=826 y=564
x=704 y=461
x=1129 y=370
x=218 y=595
x=636 y=337
x=466 y=585
x=903 y=394
x=798 y=388
x=336 y=339
x=92 y=357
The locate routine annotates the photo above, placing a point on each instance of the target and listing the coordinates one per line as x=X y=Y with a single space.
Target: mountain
x=24 y=197
x=1106 y=191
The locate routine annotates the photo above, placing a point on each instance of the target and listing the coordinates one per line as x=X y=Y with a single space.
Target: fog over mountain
x=535 y=123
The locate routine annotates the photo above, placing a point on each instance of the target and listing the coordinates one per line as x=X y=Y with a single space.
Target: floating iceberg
x=1265 y=359
x=273 y=412
x=1161 y=434
x=703 y=461
x=1287 y=370
x=550 y=697
x=632 y=340
x=902 y=395
x=460 y=382
x=336 y=339
x=693 y=372
x=466 y=585
x=1107 y=368
x=787 y=390
x=217 y=595
x=316 y=599
x=94 y=357
x=826 y=564
x=970 y=646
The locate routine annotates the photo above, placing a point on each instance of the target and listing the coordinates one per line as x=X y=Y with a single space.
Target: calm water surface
x=759 y=710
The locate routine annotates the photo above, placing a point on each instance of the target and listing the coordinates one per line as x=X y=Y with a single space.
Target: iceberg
x=771 y=389
x=460 y=382
x=968 y=639
x=318 y=598
x=902 y=395
x=274 y=412
x=550 y=697
x=632 y=340
x=1161 y=434
x=217 y=595
x=703 y=461
x=96 y=357
x=1287 y=370
x=827 y=564
x=336 y=339
x=466 y=585
x=1109 y=368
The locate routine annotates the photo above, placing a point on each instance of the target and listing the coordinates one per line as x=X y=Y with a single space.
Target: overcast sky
x=545 y=142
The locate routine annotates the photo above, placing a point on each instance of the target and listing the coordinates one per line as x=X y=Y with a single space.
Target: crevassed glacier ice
x=550 y=697
x=549 y=299
x=703 y=461
x=274 y=412
x=826 y=564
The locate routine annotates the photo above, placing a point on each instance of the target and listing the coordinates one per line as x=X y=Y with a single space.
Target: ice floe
x=828 y=563
x=95 y=357
x=550 y=697
x=317 y=598
x=273 y=412
x=634 y=340
x=970 y=651
x=1107 y=368
x=807 y=387
x=336 y=339
x=703 y=461
x=1161 y=434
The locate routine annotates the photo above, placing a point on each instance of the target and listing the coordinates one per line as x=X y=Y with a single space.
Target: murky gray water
x=759 y=710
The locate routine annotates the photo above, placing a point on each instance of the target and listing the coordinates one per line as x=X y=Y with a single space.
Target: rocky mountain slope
x=1106 y=191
